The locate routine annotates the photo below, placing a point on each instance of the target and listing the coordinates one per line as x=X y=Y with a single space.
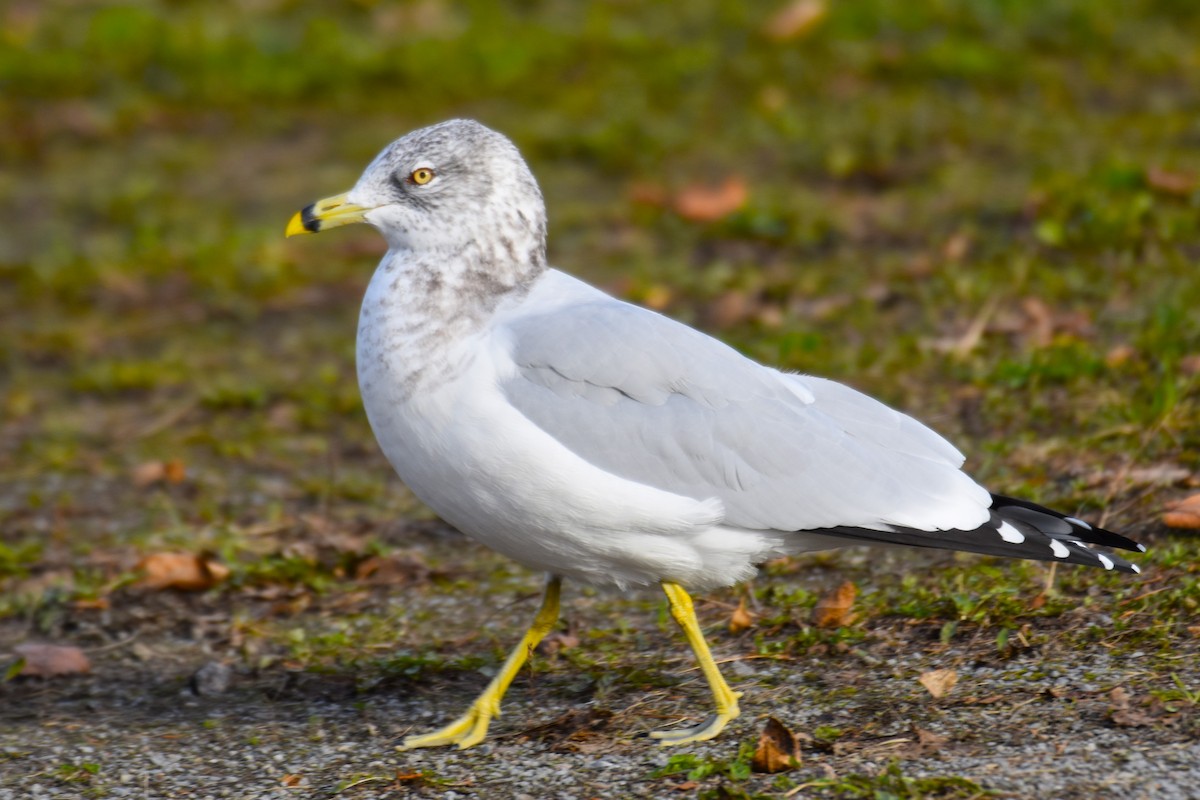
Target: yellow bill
x=332 y=212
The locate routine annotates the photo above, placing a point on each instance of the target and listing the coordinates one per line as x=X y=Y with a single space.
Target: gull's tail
x=1017 y=529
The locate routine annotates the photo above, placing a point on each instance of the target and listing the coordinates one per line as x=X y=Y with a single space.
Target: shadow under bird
x=596 y=440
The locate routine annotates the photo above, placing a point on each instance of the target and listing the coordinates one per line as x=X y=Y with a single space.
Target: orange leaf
x=152 y=472
x=291 y=780
x=711 y=203
x=777 y=751
x=408 y=777
x=740 y=619
x=833 y=610
x=184 y=571
x=50 y=660
x=1184 y=514
x=939 y=682
x=795 y=19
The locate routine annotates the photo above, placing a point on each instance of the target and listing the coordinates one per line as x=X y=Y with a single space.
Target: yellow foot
x=466 y=731
x=705 y=730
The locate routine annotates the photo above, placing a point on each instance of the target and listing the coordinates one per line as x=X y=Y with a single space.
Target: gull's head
x=445 y=186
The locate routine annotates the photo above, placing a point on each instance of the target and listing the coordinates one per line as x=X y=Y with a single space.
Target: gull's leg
x=726 y=699
x=469 y=729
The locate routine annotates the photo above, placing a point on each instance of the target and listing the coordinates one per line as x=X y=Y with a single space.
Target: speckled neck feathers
x=470 y=240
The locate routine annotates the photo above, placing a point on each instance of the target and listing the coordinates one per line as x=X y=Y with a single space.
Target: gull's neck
x=423 y=308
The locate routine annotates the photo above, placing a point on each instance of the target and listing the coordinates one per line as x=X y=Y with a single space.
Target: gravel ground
x=162 y=716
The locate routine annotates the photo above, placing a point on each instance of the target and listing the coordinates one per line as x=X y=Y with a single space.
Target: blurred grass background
x=986 y=213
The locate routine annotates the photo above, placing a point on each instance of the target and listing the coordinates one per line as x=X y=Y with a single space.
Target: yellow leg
x=726 y=699
x=469 y=729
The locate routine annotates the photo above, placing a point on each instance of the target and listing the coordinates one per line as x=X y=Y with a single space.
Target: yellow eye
x=421 y=176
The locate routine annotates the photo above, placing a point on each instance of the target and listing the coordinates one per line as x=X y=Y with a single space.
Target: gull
x=596 y=440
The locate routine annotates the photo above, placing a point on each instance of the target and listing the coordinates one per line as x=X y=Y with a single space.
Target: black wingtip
x=1083 y=531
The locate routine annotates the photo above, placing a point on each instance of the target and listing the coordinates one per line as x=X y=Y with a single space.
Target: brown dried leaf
x=184 y=571
x=395 y=569
x=558 y=641
x=1119 y=355
x=833 y=610
x=794 y=20
x=1041 y=321
x=1184 y=514
x=777 y=751
x=152 y=472
x=1123 y=714
x=740 y=619
x=939 y=682
x=929 y=738
x=51 y=660
x=710 y=203
x=956 y=247
x=291 y=780
x=728 y=309
x=1180 y=184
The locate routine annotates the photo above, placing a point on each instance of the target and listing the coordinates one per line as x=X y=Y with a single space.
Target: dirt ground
x=182 y=700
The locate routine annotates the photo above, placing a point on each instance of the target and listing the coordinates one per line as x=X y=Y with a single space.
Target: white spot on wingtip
x=1105 y=560
x=1078 y=522
x=1010 y=534
x=1136 y=568
x=1060 y=549
x=1141 y=548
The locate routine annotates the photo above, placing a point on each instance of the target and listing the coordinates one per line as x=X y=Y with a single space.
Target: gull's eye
x=421 y=176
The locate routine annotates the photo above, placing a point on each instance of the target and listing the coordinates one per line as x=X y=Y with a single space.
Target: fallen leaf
x=686 y=786
x=291 y=780
x=939 y=682
x=1041 y=321
x=1123 y=714
x=1184 y=514
x=833 y=610
x=395 y=569
x=777 y=751
x=51 y=660
x=91 y=604
x=1180 y=184
x=710 y=203
x=740 y=619
x=184 y=571
x=152 y=472
x=956 y=247
x=728 y=309
x=929 y=738
x=408 y=777
x=558 y=641
x=794 y=20
x=1119 y=355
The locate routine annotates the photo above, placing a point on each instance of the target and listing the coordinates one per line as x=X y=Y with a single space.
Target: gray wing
x=656 y=402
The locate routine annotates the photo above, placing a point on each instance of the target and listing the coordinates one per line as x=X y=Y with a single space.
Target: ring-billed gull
x=597 y=440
